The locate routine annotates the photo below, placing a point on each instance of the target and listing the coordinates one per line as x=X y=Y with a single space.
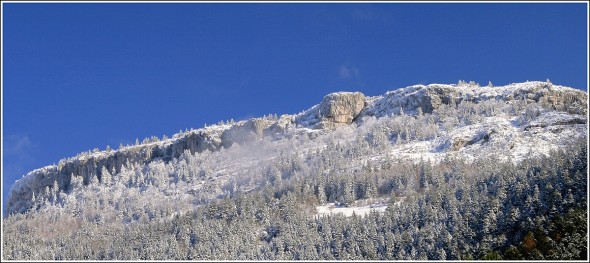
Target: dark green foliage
x=492 y=256
x=561 y=238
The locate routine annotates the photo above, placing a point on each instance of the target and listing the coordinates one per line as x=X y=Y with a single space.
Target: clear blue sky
x=80 y=76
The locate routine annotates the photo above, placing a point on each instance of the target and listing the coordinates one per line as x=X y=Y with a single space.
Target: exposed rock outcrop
x=556 y=120
x=341 y=108
x=481 y=137
x=248 y=131
x=433 y=97
x=89 y=166
x=281 y=127
x=411 y=100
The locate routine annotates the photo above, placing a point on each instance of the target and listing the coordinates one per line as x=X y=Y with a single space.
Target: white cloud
x=348 y=72
x=348 y=76
x=18 y=146
x=18 y=157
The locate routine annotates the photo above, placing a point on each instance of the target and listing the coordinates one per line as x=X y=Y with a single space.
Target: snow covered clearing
x=360 y=208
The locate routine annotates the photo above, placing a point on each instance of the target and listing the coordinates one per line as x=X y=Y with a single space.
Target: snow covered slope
x=418 y=122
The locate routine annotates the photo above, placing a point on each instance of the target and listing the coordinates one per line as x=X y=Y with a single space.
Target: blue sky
x=80 y=76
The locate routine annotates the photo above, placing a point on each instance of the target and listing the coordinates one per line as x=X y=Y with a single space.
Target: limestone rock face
x=194 y=142
x=571 y=101
x=341 y=108
x=280 y=127
x=411 y=100
x=437 y=96
x=89 y=166
x=248 y=131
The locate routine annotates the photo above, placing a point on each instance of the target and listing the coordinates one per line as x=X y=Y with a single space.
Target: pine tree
x=34 y=201
x=348 y=194
x=105 y=176
x=321 y=192
x=54 y=191
x=75 y=182
x=371 y=191
x=93 y=179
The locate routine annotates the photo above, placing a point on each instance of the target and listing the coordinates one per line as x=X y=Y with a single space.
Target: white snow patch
x=333 y=208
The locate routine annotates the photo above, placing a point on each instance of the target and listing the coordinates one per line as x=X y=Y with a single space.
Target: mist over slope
x=350 y=150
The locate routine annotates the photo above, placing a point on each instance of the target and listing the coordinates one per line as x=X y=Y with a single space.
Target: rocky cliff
x=431 y=97
x=336 y=110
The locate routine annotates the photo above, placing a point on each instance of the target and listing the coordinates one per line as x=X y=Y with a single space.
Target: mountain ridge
x=567 y=109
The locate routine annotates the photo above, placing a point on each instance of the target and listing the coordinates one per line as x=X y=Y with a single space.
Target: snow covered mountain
x=417 y=122
x=423 y=172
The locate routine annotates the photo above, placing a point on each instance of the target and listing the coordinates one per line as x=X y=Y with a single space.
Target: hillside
x=428 y=157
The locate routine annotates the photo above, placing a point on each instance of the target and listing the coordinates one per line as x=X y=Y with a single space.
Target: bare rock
x=247 y=131
x=279 y=128
x=341 y=108
x=480 y=137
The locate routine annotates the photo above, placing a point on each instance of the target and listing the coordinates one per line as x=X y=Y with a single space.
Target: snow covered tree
x=105 y=176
